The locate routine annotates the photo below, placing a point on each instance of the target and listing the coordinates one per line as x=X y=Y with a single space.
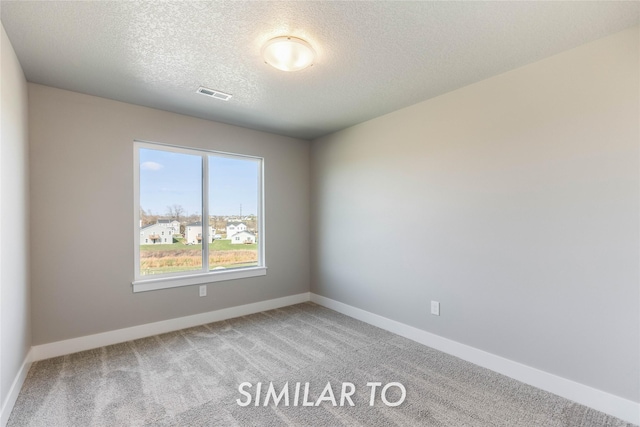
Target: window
x=205 y=192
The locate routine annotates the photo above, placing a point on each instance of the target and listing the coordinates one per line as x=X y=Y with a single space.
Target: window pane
x=170 y=212
x=233 y=209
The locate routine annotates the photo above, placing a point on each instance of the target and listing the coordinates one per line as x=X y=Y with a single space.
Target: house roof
x=144 y=227
x=243 y=232
x=235 y=223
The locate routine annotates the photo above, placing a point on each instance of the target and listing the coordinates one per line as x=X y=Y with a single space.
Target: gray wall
x=15 y=327
x=514 y=202
x=82 y=181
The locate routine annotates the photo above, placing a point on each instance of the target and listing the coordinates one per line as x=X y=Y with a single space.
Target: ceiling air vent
x=214 y=93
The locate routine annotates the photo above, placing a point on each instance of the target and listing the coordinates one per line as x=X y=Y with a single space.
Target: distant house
x=235 y=227
x=193 y=233
x=171 y=223
x=156 y=234
x=243 y=237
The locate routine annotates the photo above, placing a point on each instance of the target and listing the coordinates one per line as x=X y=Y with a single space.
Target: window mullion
x=205 y=212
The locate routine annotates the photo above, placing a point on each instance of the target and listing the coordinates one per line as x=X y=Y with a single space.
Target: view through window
x=199 y=211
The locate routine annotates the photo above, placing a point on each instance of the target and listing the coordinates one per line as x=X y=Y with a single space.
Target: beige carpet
x=191 y=378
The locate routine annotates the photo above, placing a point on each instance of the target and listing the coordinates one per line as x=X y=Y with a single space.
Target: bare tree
x=175 y=212
x=147 y=217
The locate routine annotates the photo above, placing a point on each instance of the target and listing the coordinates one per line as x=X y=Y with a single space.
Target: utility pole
x=240 y=210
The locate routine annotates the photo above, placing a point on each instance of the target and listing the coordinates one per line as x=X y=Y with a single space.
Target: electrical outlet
x=435 y=308
x=203 y=290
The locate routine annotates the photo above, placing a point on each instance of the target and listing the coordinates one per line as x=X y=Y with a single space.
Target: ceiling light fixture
x=288 y=53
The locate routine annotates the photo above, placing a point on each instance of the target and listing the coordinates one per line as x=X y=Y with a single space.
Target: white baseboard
x=74 y=345
x=12 y=396
x=597 y=399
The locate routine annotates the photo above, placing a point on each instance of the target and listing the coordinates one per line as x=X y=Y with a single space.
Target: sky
x=168 y=179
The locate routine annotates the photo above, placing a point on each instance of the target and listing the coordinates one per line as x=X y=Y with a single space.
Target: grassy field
x=217 y=245
x=158 y=259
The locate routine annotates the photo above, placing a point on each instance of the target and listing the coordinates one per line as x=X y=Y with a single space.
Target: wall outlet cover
x=435 y=308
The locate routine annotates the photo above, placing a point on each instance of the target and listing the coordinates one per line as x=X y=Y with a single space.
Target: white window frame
x=194 y=277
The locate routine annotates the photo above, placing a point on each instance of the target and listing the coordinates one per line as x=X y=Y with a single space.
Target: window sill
x=196 y=279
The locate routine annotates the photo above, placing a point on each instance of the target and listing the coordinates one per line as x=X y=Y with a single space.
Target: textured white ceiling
x=373 y=57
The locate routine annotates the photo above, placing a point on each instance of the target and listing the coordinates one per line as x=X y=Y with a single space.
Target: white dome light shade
x=288 y=53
